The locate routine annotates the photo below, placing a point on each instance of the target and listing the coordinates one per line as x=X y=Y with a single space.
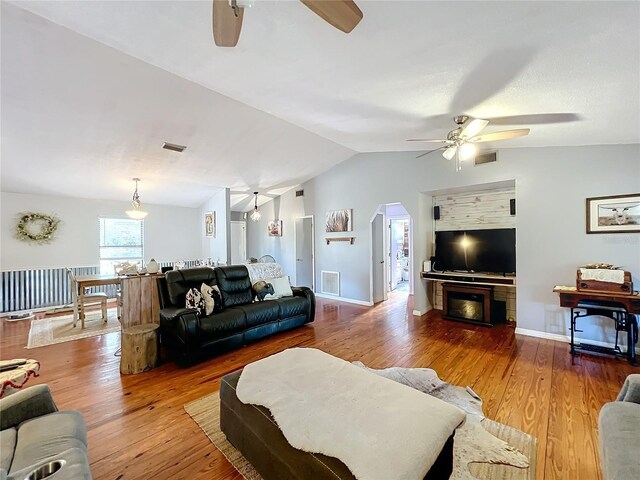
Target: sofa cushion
x=259 y=313
x=291 y=306
x=619 y=424
x=49 y=435
x=180 y=281
x=222 y=324
x=235 y=285
x=7 y=446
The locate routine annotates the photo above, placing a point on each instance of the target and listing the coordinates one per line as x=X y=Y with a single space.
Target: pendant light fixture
x=255 y=215
x=136 y=213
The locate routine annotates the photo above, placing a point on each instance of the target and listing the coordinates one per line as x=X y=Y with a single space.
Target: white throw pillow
x=281 y=288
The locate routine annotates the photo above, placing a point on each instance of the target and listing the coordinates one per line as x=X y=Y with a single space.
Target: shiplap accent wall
x=477 y=211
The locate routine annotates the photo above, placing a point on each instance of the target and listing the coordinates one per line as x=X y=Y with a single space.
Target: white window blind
x=121 y=240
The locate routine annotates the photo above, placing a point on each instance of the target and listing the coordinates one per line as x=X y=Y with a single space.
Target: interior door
x=304 y=252
x=377 y=258
x=238 y=242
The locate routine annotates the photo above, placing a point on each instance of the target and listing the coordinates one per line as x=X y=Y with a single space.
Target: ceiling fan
x=460 y=142
x=228 y=14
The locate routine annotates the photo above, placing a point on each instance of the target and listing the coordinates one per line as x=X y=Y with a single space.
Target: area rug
x=501 y=445
x=48 y=331
x=482 y=448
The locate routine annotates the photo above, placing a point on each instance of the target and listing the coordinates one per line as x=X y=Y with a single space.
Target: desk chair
x=87 y=299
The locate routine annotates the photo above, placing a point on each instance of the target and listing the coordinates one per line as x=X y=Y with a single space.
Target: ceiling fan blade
x=342 y=14
x=474 y=127
x=450 y=152
x=536 y=119
x=226 y=26
x=428 y=141
x=430 y=151
x=490 y=137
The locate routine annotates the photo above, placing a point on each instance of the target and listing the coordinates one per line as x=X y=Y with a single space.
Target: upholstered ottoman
x=252 y=430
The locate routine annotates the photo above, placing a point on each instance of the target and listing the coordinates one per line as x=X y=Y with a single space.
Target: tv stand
x=471 y=278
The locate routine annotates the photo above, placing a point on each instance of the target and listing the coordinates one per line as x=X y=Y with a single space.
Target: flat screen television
x=480 y=251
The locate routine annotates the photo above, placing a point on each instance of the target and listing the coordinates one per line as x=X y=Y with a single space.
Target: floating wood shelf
x=340 y=239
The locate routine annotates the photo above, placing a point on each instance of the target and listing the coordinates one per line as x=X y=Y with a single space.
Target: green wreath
x=36 y=227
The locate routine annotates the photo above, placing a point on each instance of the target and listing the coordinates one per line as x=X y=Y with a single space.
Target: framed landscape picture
x=614 y=214
x=339 y=220
x=275 y=228
x=210 y=224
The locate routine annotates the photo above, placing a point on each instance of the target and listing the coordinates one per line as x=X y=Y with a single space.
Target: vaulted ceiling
x=90 y=90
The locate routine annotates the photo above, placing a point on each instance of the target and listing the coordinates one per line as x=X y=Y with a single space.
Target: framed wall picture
x=339 y=221
x=210 y=224
x=275 y=228
x=614 y=214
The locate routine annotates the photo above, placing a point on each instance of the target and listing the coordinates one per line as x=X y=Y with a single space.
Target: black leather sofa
x=189 y=337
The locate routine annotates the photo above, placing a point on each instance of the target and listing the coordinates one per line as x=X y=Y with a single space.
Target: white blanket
x=264 y=271
x=602 y=275
x=378 y=428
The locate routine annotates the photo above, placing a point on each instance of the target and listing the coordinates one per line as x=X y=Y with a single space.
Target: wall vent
x=330 y=283
x=173 y=147
x=299 y=193
x=488 y=157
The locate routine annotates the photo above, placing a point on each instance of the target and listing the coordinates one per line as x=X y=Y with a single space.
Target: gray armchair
x=34 y=434
x=619 y=426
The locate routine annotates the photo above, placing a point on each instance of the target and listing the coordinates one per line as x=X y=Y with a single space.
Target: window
x=121 y=240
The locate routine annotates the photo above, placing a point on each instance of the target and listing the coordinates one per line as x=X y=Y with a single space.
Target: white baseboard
x=344 y=299
x=563 y=338
x=419 y=313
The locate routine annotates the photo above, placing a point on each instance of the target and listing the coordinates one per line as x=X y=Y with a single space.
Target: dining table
x=94 y=280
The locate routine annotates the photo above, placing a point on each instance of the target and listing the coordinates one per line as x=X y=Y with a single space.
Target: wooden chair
x=87 y=299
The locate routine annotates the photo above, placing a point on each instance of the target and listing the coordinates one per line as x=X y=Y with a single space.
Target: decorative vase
x=152 y=266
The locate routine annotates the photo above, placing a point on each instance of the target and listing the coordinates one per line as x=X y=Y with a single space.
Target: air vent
x=299 y=193
x=330 y=283
x=486 y=158
x=173 y=147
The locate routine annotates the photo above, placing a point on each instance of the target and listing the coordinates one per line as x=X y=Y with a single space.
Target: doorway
x=305 y=252
x=398 y=253
x=391 y=252
x=238 y=242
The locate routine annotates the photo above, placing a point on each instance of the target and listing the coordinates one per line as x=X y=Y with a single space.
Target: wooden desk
x=621 y=308
x=86 y=281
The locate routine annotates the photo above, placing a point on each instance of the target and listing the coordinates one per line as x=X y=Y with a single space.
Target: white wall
x=287 y=208
x=551 y=186
x=170 y=233
x=218 y=248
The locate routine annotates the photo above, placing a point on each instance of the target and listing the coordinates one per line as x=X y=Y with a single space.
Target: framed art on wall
x=614 y=214
x=339 y=220
x=275 y=228
x=210 y=224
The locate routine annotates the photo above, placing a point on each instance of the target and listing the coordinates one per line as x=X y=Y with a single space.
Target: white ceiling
x=81 y=119
x=404 y=70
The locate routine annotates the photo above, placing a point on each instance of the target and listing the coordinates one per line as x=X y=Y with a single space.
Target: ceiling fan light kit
x=461 y=141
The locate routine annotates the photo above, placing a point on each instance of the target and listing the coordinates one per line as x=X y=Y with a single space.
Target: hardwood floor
x=138 y=428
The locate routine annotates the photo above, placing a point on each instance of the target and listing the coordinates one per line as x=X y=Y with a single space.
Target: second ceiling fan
x=228 y=14
x=460 y=142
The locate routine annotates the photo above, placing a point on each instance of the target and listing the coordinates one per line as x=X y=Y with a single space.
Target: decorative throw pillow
x=195 y=300
x=261 y=289
x=281 y=288
x=212 y=298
